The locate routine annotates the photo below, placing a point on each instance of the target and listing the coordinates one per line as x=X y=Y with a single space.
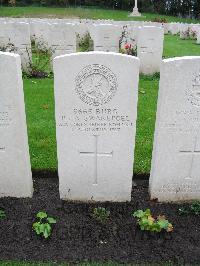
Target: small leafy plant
x=147 y=222
x=2 y=214
x=101 y=214
x=39 y=63
x=85 y=43
x=43 y=225
x=194 y=208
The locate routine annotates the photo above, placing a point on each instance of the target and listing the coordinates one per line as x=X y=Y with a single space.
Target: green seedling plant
x=147 y=222
x=101 y=214
x=2 y=214
x=194 y=209
x=43 y=225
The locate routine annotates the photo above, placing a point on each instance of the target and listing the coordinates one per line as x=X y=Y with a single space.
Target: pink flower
x=127 y=46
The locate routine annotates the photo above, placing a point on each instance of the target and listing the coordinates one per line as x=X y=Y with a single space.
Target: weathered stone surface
x=175 y=173
x=106 y=37
x=62 y=38
x=96 y=110
x=15 y=37
x=150 y=49
x=15 y=168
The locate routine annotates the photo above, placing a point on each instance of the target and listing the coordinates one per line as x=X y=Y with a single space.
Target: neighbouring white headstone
x=15 y=168
x=174 y=28
x=166 y=27
x=40 y=34
x=15 y=37
x=106 y=37
x=4 y=38
x=198 y=36
x=175 y=173
x=20 y=36
x=96 y=110
x=193 y=30
x=150 y=49
x=184 y=31
x=62 y=38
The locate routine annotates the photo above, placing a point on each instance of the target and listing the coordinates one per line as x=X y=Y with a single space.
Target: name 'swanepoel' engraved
x=95 y=120
x=96 y=85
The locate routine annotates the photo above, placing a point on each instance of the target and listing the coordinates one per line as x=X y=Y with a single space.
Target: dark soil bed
x=77 y=237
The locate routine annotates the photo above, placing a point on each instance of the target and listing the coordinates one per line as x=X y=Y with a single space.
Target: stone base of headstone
x=135 y=13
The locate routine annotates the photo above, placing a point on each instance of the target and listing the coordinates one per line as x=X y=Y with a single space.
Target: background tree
x=183 y=8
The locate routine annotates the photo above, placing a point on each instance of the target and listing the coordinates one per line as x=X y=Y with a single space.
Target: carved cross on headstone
x=96 y=155
x=193 y=152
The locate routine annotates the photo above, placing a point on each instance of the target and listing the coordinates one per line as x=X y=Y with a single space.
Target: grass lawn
x=174 y=47
x=39 y=98
x=89 y=13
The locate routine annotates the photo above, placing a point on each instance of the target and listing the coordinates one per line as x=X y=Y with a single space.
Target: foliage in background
x=39 y=62
x=160 y=20
x=86 y=43
x=84 y=13
x=43 y=225
x=147 y=222
x=183 y=8
x=101 y=214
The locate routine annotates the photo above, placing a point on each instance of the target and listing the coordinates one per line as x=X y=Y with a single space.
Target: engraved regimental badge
x=194 y=91
x=96 y=84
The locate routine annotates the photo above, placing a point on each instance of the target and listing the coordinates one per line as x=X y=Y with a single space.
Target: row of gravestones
x=61 y=38
x=84 y=24
x=186 y=31
x=173 y=28
x=96 y=112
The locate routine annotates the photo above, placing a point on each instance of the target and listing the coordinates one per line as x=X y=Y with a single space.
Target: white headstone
x=106 y=37
x=15 y=168
x=4 y=38
x=40 y=33
x=15 y=37
x=62 y=38
x=198 y=36
x=166 y=27
x=81 y=29
x=194 y=28
x=174 y=28
x=150 y=49
x=20 y=37
x=184 y=31
x=96 y=110
x=175 y=173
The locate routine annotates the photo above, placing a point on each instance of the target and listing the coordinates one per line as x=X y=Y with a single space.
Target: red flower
x=127 y=46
